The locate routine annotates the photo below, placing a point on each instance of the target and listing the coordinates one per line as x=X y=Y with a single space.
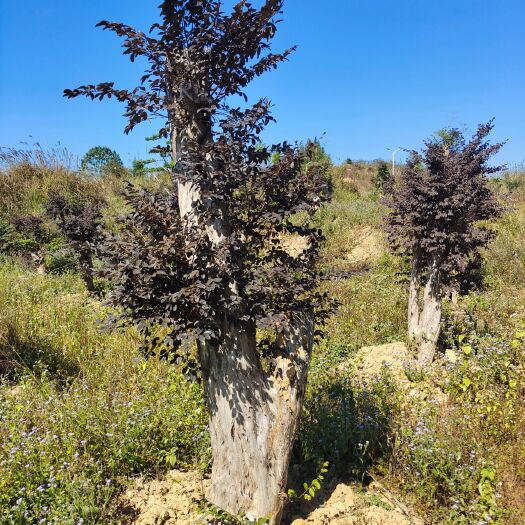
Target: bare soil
x=175 y=500
x=368 y=246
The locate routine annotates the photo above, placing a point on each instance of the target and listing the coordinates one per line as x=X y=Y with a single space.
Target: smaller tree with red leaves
x=78 y=222
x=437 y=209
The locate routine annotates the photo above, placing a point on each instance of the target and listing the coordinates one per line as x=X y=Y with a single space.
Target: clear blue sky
x=370 y=74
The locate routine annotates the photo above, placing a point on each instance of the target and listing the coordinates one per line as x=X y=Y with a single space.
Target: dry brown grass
x=358 y=177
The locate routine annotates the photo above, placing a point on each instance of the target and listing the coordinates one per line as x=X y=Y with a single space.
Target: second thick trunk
x=424 y=311
x=430 y=318
x=414 y=305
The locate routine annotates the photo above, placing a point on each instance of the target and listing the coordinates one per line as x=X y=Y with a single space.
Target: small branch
x=393 y=499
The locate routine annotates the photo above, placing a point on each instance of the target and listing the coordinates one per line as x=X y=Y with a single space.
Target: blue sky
x=368 y=74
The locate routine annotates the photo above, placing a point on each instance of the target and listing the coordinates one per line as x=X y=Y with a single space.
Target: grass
x=87 y=410
x=82 y=412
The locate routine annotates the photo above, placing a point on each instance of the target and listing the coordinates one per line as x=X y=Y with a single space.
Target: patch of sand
x=173 y=500
x=167 y=501
x=294 y=245
x=368 y=246
x=370 y=360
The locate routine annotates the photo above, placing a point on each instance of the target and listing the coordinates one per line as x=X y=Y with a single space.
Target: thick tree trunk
x=424 y=309
x=425 y=312
x=430 y=320
x=413 y=300
x=254 y=417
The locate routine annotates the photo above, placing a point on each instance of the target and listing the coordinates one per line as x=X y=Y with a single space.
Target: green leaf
x=467 y=349
x=488 y=473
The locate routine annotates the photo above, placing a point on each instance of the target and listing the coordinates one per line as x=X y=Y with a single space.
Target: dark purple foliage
x=165 y=270
x=439 y=202
x=30 y=226
x=194 y=47
x=78 y=222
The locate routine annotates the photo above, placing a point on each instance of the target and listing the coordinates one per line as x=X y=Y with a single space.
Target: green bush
x=60 y=261
x=347 y=423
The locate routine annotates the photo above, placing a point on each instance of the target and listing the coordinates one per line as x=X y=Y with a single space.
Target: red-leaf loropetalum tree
x=79 y=223
x=209 y=260
x=436 y=211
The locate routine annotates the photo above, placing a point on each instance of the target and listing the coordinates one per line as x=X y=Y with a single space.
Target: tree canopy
x=100 y=159
x=198 y=56
x=439 y=204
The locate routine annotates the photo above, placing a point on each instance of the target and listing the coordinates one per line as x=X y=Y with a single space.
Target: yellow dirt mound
x=370 y=360
x=368 y=246
x=173 y=500
x=167 y=501
x=345 y=505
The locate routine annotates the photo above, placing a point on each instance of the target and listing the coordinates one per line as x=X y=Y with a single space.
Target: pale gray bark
x=254 y=414
x=413 y=300
x=254 y=417
x=430 y=319
x=424 y=310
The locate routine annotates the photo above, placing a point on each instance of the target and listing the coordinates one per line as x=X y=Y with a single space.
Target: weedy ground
x=82 y=412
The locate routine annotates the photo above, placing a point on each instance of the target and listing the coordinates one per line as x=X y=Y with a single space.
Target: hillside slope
x=82 y=413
